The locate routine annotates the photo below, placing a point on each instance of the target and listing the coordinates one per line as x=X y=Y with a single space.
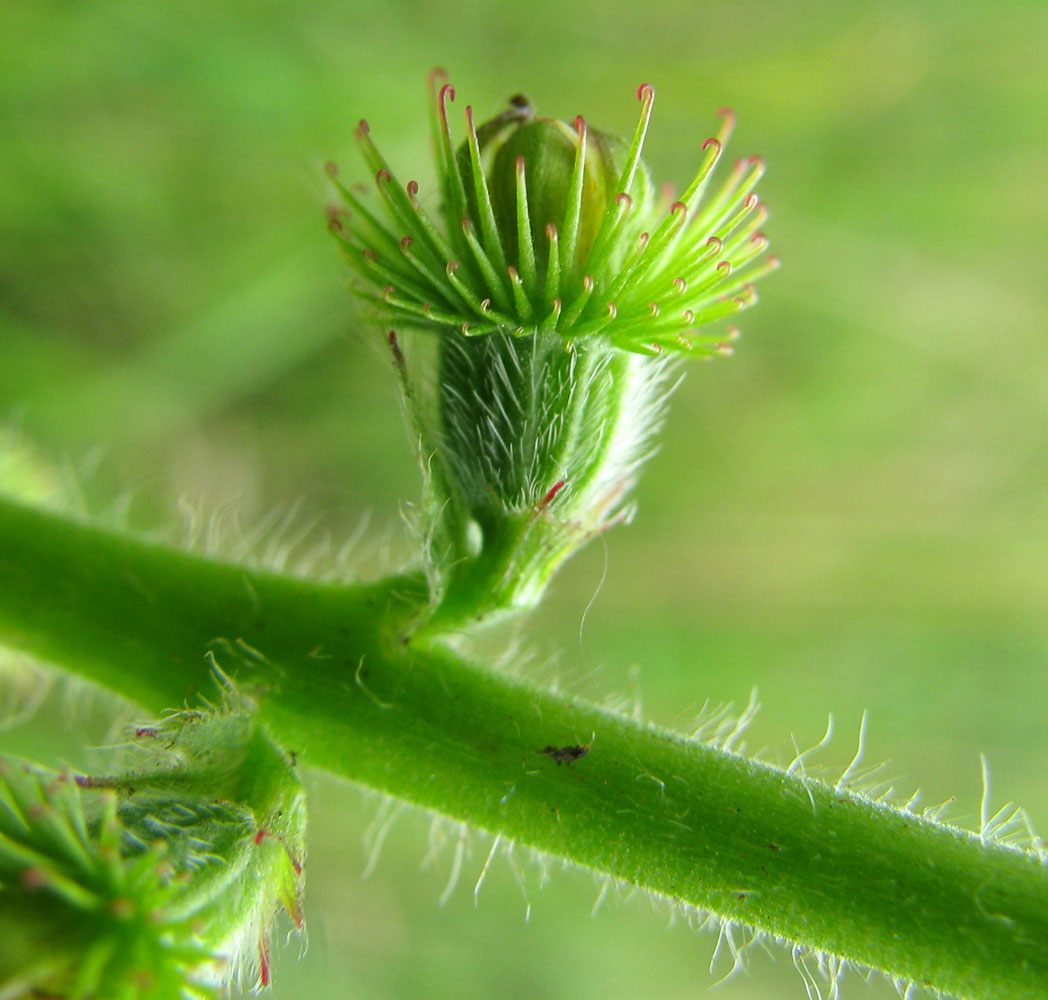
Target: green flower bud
x=545 y=153
x=159 y=884
x=558 y=283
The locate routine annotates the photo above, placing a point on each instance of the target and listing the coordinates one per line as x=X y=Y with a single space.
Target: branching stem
x=339 y=683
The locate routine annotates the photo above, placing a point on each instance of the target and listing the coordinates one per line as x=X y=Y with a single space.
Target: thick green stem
x=340 y=684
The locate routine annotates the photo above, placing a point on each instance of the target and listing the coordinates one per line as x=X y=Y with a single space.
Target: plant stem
x=340 y=683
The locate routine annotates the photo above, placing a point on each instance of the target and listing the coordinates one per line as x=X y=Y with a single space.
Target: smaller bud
x=160 y=883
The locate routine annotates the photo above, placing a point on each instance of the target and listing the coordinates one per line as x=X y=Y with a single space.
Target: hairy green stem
x=340 y=683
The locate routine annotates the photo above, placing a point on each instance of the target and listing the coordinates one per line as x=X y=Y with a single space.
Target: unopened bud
x=568 y=173
x=558 y=284
x=161 y=883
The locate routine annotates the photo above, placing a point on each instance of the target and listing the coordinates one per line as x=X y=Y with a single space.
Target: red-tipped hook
x=550 y=496
x=447 y=93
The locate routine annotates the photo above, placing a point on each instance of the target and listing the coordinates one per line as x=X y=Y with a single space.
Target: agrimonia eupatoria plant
x=558 y=284
x=547 y=293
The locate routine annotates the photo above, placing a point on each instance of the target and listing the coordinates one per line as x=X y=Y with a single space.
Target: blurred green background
x=849 y=515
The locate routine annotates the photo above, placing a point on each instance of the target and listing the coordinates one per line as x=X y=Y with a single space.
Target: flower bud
x=546 y=158
x=558 y=284
x=159 y=884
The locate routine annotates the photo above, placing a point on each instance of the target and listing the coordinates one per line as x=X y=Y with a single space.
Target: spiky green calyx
x=545 y=226
x=558 y=284
x=161 y=883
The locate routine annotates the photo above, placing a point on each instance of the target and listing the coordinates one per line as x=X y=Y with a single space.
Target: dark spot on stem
x=565 y=755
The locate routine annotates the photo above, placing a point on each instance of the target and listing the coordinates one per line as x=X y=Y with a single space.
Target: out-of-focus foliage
x=852 y=513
